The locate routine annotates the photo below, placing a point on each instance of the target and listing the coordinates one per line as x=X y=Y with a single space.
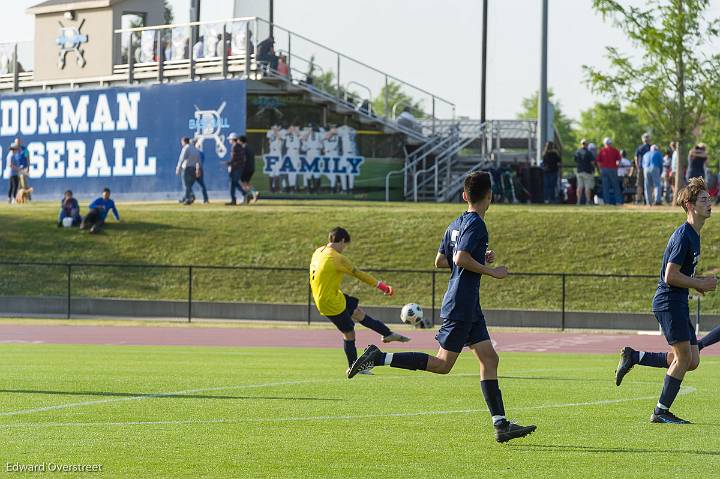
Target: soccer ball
x=412 y=314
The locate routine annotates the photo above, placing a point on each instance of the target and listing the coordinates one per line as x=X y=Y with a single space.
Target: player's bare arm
x=674 y=277
x=465 y=260
x=441 y=261
x=490 y=256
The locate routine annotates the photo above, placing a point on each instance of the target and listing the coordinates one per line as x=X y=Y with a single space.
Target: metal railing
x=16 y=63
x=76 y=281
x=432 y=172
x=136 y=48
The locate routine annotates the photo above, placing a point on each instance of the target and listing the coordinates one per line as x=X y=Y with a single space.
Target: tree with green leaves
x=168 y=15
x=674 y=75
x=397 y=99
x=562 y=123
x=612 y=120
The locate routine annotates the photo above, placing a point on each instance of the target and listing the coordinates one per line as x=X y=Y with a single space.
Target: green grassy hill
x=396 y=235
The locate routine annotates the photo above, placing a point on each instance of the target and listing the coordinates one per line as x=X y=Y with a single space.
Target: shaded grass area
x=222 y=412
x=385 y=235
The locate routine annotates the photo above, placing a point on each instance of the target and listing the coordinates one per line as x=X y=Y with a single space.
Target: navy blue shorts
x=454 y=335
x=343 y=321
x=676 y=325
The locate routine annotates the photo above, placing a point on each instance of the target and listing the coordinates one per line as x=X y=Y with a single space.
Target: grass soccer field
x=257 y=412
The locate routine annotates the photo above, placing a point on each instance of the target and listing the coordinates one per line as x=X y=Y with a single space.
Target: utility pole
x=542 y=132
x=483 y=81
x=194 y=17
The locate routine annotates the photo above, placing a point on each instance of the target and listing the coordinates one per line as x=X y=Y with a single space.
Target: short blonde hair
x=690 y=192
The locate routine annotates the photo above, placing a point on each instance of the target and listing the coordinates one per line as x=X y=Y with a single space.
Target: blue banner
x=127 y=139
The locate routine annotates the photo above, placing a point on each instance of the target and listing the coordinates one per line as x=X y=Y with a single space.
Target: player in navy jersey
x=670 y=303
x=464 y=250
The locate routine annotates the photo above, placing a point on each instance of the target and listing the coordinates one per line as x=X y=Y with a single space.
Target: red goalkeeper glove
x=385 y=288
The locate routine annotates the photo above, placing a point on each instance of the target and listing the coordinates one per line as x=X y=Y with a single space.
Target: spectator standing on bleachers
x=266 y=53
x=167 y=50
x=652 y=163
x=198 y=50
x=640 y=175
x=189 y=166
x=696 y=162
x=551 y=164
x=98 y=211
x=69 y=208
x=585 y=171
x=608 y=160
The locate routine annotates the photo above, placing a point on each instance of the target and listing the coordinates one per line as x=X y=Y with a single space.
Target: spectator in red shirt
x=608 y=160
x=283 y=68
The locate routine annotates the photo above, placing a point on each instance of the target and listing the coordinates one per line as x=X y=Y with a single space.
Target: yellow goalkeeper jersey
x=327 y=269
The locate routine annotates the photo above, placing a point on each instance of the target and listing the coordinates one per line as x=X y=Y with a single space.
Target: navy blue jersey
x=462 y=298
x=682 y=249
x=447 y=243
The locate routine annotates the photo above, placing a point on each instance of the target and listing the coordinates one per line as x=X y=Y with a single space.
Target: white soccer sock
x=495 y=419
x=641 y=354
x=388 y=359
x=662 y=406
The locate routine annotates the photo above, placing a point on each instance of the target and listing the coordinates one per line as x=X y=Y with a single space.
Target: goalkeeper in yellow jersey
x=327 y=268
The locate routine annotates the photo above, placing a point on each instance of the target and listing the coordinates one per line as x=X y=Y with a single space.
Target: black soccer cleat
x=369 y=359
x=625 y=364
x=506 y=430
x=667 y=417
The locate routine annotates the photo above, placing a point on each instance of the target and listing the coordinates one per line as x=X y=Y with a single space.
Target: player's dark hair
x=477 y=185
x=690 y=192
x=338 y=234
x=106 y=190
x=185 y=140
x=242 y=138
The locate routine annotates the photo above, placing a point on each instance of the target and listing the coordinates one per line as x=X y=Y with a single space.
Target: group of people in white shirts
x=311 y=142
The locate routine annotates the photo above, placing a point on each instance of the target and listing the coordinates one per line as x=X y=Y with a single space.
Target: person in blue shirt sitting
x=69 y=208
x=98 y=211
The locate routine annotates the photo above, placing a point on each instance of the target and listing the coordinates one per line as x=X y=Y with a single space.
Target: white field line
x=154 y=395
x=601 y=402
x=685 y=390
x=230 y=388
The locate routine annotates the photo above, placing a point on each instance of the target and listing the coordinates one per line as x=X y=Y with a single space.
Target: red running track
x=320 y=338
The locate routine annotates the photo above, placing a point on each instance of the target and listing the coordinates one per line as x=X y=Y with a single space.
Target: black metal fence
x=540 y=291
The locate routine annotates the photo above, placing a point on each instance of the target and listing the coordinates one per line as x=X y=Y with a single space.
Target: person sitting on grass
x=98 y=211
x=69 y=208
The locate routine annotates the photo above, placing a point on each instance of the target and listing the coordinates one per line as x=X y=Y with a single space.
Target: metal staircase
x=435 y=172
